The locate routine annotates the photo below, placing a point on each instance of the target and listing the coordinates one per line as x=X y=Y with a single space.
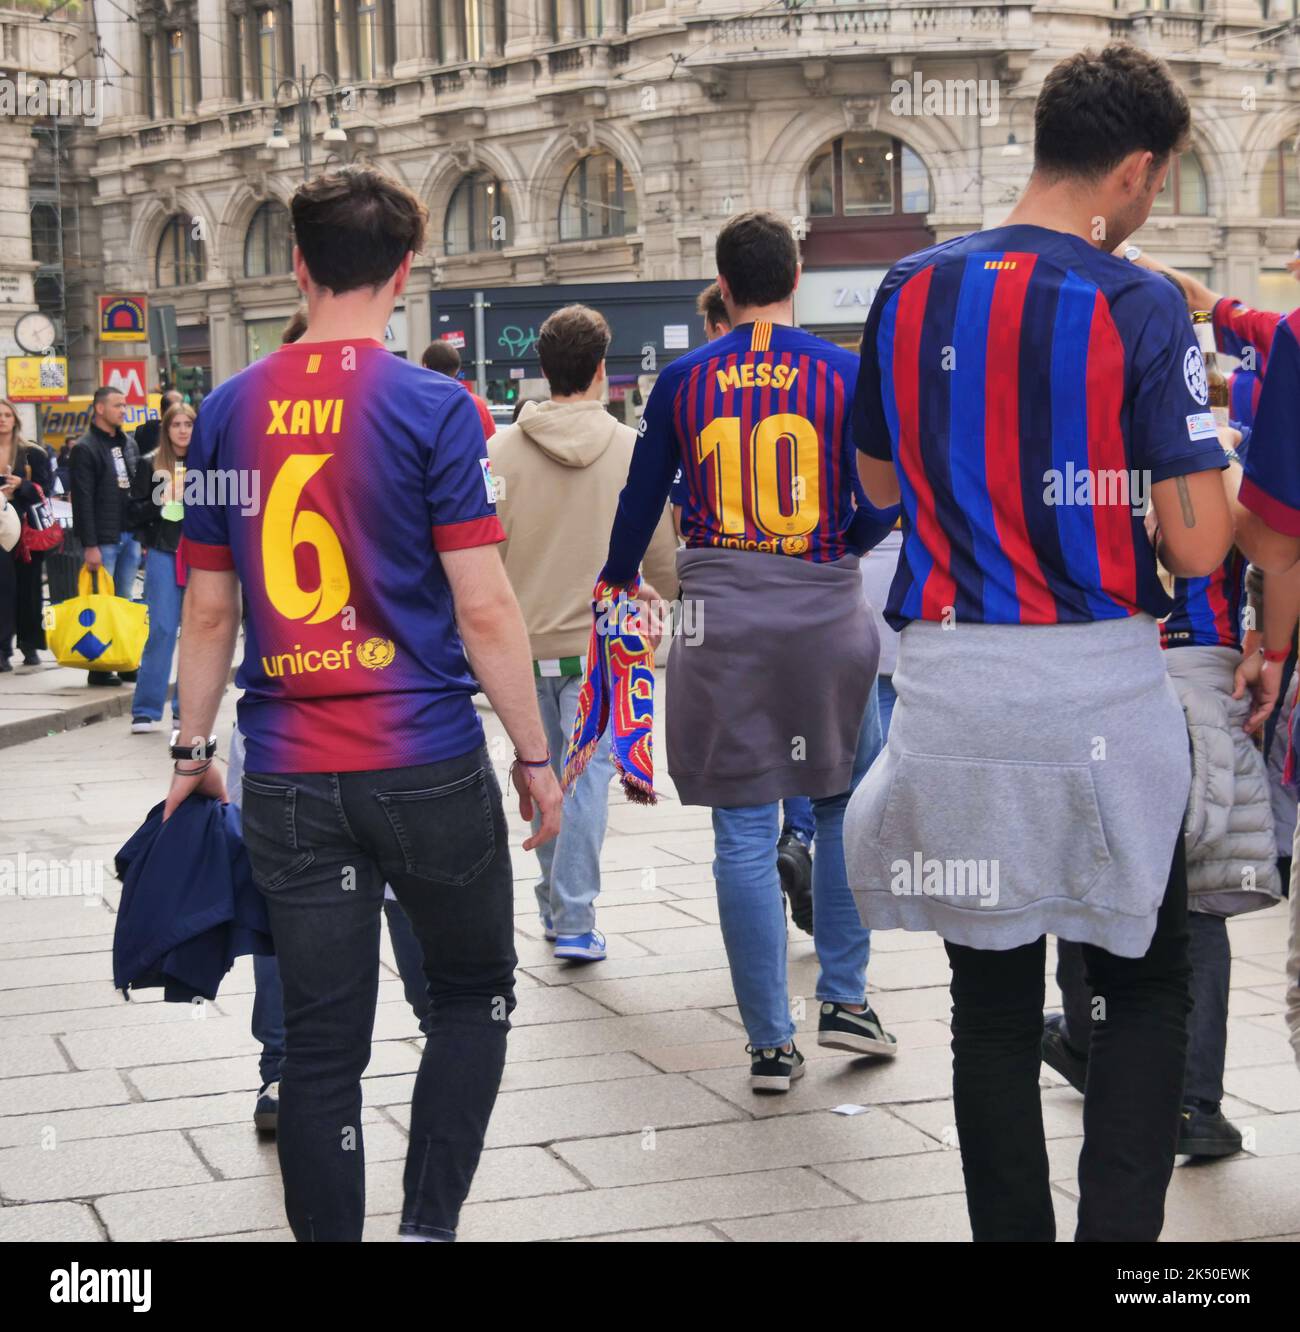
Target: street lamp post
x=302 y=90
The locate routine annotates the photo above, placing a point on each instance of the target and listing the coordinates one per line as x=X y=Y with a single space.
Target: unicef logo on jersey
x=1194 y=375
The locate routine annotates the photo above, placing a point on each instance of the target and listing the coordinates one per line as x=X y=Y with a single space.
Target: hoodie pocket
x=992 y=835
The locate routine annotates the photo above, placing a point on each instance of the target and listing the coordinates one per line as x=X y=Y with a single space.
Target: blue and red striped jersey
x=1270 y=486
x=1207 y=611
x=1248 y=335
x=750 y=434
x=1030 y=390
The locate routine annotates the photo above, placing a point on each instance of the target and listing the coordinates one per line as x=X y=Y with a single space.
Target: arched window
x=179 y=260
x=1184 y=190
x=1279 y=191
x=867 y=175
x=268 y=245
x=599 y=199
x=478 y=217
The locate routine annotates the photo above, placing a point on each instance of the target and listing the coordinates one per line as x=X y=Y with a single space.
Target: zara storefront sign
x=835 y=295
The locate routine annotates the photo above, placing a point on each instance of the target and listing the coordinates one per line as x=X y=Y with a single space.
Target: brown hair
x=757 y=254
x=441 y=356
x=164 y=458
x=571 y=345
x=355 y=226
x=1095 y=109
x=709 y=304
x=295 y=328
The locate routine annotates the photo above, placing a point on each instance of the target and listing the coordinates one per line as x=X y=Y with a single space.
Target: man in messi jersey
x=773 y=699
x=373 y=614
x=1028 y=394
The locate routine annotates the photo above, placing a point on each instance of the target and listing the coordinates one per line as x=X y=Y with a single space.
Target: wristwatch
x=197 y=749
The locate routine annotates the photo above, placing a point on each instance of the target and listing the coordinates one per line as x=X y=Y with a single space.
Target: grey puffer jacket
x=1231 y=847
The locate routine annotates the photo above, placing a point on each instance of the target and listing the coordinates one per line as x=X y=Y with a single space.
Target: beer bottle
x=1203 y=322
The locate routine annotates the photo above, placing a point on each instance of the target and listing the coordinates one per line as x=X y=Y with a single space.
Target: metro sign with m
x=128 y=377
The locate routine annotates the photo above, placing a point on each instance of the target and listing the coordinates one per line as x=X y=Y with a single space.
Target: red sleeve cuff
x=200 y=555
x=1279 y=516
x=473 y=532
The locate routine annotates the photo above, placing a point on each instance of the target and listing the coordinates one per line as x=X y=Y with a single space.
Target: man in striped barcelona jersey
x=367 y=606
x=774 y=698
x=1029 y=394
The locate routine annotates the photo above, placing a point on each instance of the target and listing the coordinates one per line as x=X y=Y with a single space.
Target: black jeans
x=1134 y=1089
x=322 y=846
x=1207 y=1024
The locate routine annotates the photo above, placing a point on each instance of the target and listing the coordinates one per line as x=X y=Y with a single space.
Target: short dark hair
x=355 y=226
x=709 y=303
x=173 y=396
x=1095 y=109
x=295 y=328
x=571 y=345
x=441 y=356
x=102 y=393
x=757 y=254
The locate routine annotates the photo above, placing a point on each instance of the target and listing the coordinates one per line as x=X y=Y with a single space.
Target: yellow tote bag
x=97 y=630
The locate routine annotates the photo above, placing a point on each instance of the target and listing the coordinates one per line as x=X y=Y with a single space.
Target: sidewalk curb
x=38 y=726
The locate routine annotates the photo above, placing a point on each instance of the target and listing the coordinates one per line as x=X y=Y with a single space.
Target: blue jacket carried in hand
x=189 y=905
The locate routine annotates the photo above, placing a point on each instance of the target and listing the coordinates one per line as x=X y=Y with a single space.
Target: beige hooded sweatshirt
x=559 y=470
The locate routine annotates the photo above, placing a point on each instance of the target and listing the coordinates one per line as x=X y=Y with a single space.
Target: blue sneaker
x=548 y=929
x=589 y=947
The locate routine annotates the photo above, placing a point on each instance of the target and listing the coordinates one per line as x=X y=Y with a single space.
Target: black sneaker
x=860 y=1033
x=1206 y=1133
x=127 y=677
x=102 y=679
x=1060 y=1055
x=4 y=661
x=774 y=1070
x=31 y=657
x=794 y=864
x=266 y=1114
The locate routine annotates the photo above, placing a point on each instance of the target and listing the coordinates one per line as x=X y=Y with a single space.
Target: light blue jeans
x=570 y=878
x=122 y=560
x=885 y=689
x=752 y=913
x=162 y=594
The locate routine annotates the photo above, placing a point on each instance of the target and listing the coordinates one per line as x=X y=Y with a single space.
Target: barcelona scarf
x=618 y=690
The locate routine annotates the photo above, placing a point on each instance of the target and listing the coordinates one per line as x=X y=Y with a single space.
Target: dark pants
x=322 y=846
x=20 y=603
x=267 y=1023
x=1134 y=1089
x=1207 y=1024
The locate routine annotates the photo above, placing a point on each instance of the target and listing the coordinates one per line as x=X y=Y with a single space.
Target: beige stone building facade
x=603 y=142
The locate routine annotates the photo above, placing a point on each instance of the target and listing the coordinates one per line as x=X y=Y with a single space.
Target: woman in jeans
x=158 y=497
x=22 y=469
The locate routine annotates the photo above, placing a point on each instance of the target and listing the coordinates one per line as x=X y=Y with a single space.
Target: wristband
x=532 y=763
x=1276 y=656
x=197 y=749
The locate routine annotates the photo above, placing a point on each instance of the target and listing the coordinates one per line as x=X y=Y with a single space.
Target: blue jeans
x=570 y=877
x=267 y=1024
x=885 y=689
x=122 y=560
x=437 y=832
x=162 y=594
x=797 y=813
x=752 y=913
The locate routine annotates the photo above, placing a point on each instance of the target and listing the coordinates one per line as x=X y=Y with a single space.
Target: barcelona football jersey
x=1270 y=485
x=334 y=474
x=750 y=435
x=1030 y=389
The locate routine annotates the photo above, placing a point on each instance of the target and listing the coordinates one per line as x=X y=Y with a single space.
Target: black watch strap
x=197 y=749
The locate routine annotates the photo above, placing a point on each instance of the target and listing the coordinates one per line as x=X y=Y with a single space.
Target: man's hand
x=1229 y=437
x=92 y=557
x=207 y=782
x=648 y=611
x=9 y=485
x=1264 y=680
x=539 y=793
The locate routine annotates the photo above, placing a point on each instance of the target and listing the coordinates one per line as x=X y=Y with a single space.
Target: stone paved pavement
x=625 y=1111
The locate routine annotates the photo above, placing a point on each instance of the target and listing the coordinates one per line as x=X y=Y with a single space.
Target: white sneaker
x=143 y=725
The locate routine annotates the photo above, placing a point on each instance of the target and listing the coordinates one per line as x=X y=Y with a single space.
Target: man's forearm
x=496 y=644
x=207 y=649
x=1281 y=610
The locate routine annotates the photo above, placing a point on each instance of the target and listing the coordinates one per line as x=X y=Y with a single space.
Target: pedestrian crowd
x=937 y=683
